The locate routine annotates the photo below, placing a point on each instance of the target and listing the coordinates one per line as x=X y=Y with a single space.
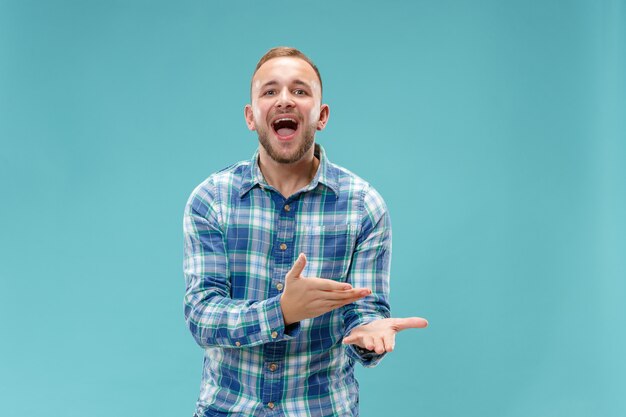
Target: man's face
x=286 y=108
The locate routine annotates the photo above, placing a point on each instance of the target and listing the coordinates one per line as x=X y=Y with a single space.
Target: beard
x=308 y=138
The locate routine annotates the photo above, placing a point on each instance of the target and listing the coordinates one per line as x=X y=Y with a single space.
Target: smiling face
x=286 y=108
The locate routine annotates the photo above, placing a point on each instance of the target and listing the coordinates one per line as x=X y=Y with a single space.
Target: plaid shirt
x=241 y=238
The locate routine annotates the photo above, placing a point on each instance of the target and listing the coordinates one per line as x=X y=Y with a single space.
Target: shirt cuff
x=275 y=328
x=367 y=358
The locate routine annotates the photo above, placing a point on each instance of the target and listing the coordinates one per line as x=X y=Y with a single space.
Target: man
x=286 y=263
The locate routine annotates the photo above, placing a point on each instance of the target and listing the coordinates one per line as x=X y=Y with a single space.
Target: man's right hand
x=308 y=297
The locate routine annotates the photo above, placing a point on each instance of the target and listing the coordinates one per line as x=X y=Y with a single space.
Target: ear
x=249 y=115
x=324 y=114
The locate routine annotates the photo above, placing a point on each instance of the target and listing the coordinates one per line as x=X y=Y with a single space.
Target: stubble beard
x=308 y=138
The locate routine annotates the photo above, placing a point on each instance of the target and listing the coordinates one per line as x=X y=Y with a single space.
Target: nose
x=284 y=99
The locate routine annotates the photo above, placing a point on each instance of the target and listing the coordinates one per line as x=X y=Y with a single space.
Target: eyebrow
x=296 y=82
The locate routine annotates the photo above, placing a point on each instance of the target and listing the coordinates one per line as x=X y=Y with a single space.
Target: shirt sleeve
x=370 y=268
x=213 y=317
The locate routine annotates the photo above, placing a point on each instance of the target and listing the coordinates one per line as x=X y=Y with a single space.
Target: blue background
x=494 y=130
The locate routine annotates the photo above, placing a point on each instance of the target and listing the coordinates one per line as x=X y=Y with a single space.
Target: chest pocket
x=328 y=249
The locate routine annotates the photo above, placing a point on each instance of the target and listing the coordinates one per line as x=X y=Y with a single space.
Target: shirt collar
x=326 y=174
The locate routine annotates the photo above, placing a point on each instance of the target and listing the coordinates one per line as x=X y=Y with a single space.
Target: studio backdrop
x=495 y=131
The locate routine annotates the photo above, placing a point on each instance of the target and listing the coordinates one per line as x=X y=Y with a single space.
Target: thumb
x=297 y=267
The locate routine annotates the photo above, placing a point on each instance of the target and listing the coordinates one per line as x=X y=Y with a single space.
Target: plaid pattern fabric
x=241 y=238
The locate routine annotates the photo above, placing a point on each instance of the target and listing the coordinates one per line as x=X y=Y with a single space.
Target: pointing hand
x=309 y=297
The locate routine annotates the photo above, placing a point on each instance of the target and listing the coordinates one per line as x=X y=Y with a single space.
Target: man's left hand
x=380 y=335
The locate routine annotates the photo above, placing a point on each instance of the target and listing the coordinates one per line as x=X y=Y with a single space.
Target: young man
x=286 y=263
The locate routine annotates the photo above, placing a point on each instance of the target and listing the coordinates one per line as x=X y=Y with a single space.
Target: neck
x=288 y=178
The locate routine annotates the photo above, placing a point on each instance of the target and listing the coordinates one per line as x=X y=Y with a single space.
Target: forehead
x=285 y=70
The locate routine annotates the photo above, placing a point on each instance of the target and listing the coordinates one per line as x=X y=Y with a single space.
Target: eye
x=299 y=92
x=269 y=93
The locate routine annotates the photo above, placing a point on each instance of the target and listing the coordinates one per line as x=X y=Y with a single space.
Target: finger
x=379 y=346
x=368 y=343
x=327 y=284
x=338 y=304
x=334 y=304
x=389 y=339
x=349 y=295
x=297 y=267
x=410 y=323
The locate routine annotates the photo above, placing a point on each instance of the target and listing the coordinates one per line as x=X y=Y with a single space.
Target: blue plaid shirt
x=241 y=238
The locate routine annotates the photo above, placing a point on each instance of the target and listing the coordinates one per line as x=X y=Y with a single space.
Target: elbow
x=198 y=331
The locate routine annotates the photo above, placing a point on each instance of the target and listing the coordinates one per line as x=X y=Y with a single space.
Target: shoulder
x=217 y=186
x=349 y=182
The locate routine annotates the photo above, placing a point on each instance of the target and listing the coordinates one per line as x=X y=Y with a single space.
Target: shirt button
x=237 y=343
x=283 y=246
x=271 y=405
x=287 y=207
x=274 y=335
x=280 y=286
x=273 y=367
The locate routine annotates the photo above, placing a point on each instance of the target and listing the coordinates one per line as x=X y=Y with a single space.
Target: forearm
x=216 y=320
x=370 y=268
x=365 y=311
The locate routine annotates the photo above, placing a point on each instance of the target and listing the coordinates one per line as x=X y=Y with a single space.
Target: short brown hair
x=286 y=51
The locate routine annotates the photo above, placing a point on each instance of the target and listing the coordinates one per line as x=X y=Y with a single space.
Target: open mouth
x=285 y=127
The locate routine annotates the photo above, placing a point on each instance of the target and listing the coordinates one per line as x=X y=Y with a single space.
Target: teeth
x=285 y=119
